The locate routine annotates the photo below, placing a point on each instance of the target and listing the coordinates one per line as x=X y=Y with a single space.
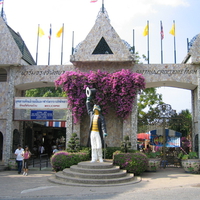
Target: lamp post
x=165 y=111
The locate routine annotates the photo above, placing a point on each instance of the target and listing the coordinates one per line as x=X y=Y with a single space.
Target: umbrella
x=143 y=136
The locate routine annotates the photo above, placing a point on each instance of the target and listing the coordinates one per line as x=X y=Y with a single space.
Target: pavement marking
x=36 y=189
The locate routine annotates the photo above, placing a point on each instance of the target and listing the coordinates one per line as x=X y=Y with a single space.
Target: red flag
x=161 y=31
x=93 y=1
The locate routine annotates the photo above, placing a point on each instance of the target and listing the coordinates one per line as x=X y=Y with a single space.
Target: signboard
x=172 y=138
x=41 y=114
x=42 y=103
x=170 y=141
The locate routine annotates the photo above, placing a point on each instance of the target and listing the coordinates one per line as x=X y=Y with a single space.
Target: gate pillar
x=130 y=126
x=71 y=127
x=198 y=113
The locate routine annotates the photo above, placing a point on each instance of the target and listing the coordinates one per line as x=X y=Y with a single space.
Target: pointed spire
x=3 y=15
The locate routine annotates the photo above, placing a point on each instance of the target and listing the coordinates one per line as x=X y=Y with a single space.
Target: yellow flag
x=40 y=32
x=146 y=30
x=59 y=32
x=172 y=31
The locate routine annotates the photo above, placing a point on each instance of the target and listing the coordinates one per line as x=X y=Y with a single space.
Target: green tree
x=45 y=92
x=147 y=113
x=182 y=122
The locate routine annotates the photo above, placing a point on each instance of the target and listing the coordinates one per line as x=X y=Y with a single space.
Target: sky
x=78 y=17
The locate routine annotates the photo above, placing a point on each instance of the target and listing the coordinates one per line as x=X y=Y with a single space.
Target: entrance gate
x=22 y=74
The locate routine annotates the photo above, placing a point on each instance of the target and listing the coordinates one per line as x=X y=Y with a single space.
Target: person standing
x=26 y=155
x=97 y=129
x=19 y=158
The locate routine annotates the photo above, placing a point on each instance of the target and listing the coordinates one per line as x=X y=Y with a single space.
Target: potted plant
x=190 y=162
x=153 y=161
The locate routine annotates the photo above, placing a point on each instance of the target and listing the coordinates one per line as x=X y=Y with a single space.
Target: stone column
x=194 y=100
x=71 y=127
x=198 y=112
x=130 y=126
x=9 y=123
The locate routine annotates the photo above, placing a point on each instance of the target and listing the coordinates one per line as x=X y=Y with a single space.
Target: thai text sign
x=41 y=114
x=35 y=103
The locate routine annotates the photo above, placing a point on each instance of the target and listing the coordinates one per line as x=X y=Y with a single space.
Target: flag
x=50 y=31
x=161 y=31
x=40 y=32
x=1 y=1
x=59 y=32
x=146 y=30
x=172 y=31
x=93 y=1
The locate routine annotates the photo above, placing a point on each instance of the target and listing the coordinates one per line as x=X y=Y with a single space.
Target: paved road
x=169 y=184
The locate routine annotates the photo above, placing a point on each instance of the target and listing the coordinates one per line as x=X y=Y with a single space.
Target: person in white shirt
x=19 y=159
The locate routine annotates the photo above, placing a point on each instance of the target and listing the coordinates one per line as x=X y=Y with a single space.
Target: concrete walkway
x=36 y=185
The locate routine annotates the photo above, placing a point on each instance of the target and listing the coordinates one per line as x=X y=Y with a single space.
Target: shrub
x=191 y=155
x=132 y=162
x=126 y=144
x=73 y=144
x=156 y=154
x=110 y=151
x=62 y=159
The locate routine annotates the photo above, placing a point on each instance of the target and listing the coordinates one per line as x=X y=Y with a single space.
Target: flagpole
x=72 y=42
x=62 y=44
x=174 y=42
x=161 y=42
x=148 y=42
x=102 y=6
x=36 y=59
x=133 y=41
x=49 y=45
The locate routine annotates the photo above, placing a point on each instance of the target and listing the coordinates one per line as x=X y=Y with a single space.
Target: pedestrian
x=19 y=158
x=97 y=129
x=55 y=149
x=26 y=155
x=41 y=149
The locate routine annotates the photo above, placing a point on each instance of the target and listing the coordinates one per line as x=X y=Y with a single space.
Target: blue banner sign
x=41 y=114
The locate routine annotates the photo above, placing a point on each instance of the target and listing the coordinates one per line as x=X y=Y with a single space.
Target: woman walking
x=26 y=154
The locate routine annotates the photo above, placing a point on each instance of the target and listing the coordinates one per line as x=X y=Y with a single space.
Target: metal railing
x=43 y=159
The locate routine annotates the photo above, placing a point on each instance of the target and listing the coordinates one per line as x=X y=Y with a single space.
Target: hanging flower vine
x=117 y=89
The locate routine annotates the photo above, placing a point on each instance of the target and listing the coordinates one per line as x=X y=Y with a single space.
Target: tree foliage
x=147 y=113
x=45 y=92
x=182 y=122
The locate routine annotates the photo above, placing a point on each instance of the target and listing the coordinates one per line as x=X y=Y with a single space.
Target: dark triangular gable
x=102 y=48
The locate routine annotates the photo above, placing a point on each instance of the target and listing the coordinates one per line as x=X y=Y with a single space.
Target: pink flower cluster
x=117 y=89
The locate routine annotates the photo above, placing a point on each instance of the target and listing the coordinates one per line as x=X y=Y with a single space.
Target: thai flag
x=1 y=1
x=55 y=124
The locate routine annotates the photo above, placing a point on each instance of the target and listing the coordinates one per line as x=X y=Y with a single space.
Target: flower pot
x=153 y=164
x=191 y=165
